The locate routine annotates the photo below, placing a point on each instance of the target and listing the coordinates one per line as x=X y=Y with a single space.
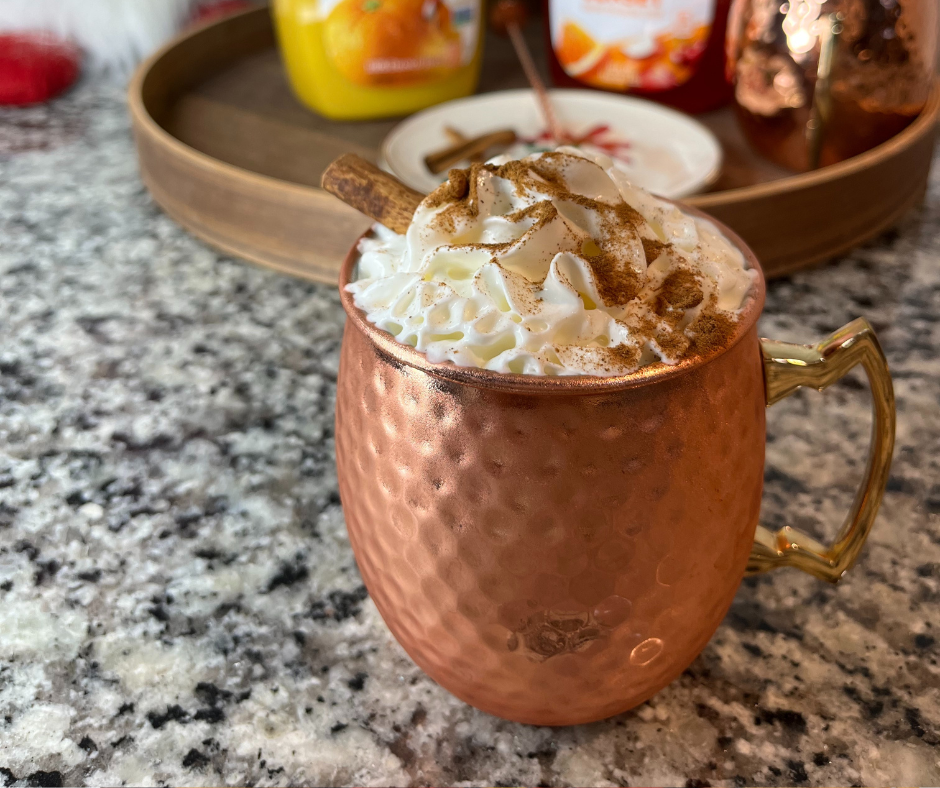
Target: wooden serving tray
x=229 y=153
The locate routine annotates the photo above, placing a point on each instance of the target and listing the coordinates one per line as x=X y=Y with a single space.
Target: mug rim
x=555 y=384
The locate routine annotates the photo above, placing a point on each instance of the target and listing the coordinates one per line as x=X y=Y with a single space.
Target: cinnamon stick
x=466 y=149
x=371 y=191
x=454 y=137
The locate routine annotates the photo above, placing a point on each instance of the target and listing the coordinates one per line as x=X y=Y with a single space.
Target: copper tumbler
x=556 y=550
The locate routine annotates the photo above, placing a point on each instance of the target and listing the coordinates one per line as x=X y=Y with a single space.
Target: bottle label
x=397 y=42
x=621 y=44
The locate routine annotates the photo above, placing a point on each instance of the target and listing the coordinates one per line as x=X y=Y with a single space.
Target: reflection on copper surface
x=801 y=26
x=646 y=652
x=549 y=633
x=879 y=78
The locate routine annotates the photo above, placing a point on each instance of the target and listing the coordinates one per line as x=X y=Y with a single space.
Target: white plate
x=669 y=153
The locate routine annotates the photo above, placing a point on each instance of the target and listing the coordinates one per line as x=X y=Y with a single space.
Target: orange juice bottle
x=356 y=59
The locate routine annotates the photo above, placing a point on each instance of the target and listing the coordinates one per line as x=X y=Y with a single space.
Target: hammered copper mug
x=556 y=550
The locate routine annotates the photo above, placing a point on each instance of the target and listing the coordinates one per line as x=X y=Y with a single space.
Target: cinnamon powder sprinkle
x=679 y=290
x=671 y=342
x=711 y=331
x=653 y=249
x=617 y=282
x=460 y=190
x=624 y=356
x=454 y=189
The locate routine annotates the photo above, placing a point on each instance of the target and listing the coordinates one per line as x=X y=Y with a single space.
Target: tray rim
x=223 y=244
x=924 y=123
x=146 y=122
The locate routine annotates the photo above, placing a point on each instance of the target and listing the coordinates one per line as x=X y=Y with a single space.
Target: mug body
x=550 y=550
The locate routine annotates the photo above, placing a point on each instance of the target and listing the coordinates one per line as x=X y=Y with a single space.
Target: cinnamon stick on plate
x=466 y=149
x=380 y=196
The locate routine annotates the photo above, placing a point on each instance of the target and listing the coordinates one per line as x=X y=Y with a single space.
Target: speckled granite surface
x=178 y=601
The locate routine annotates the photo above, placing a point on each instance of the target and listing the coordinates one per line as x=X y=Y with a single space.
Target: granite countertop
x=178 y=600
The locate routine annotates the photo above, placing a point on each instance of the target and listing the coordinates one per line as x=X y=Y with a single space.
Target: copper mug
x=556 y=550
x=819 y=81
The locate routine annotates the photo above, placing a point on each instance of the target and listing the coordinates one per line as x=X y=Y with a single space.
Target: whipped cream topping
x=552 y=265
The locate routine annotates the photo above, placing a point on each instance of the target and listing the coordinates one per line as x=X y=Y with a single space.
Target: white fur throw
x=115 y=34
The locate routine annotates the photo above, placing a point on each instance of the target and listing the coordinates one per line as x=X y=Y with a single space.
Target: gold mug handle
x=789 y=367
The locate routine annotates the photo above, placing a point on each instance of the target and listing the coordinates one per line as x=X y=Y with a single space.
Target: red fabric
x=35 y=66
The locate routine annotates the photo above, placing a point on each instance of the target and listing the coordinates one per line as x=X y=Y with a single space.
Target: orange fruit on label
x=578 y=53
x=615 y=71
x=391 y=42
x=574 y=44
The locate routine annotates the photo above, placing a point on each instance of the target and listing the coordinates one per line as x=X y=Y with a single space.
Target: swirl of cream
x=551 y=265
